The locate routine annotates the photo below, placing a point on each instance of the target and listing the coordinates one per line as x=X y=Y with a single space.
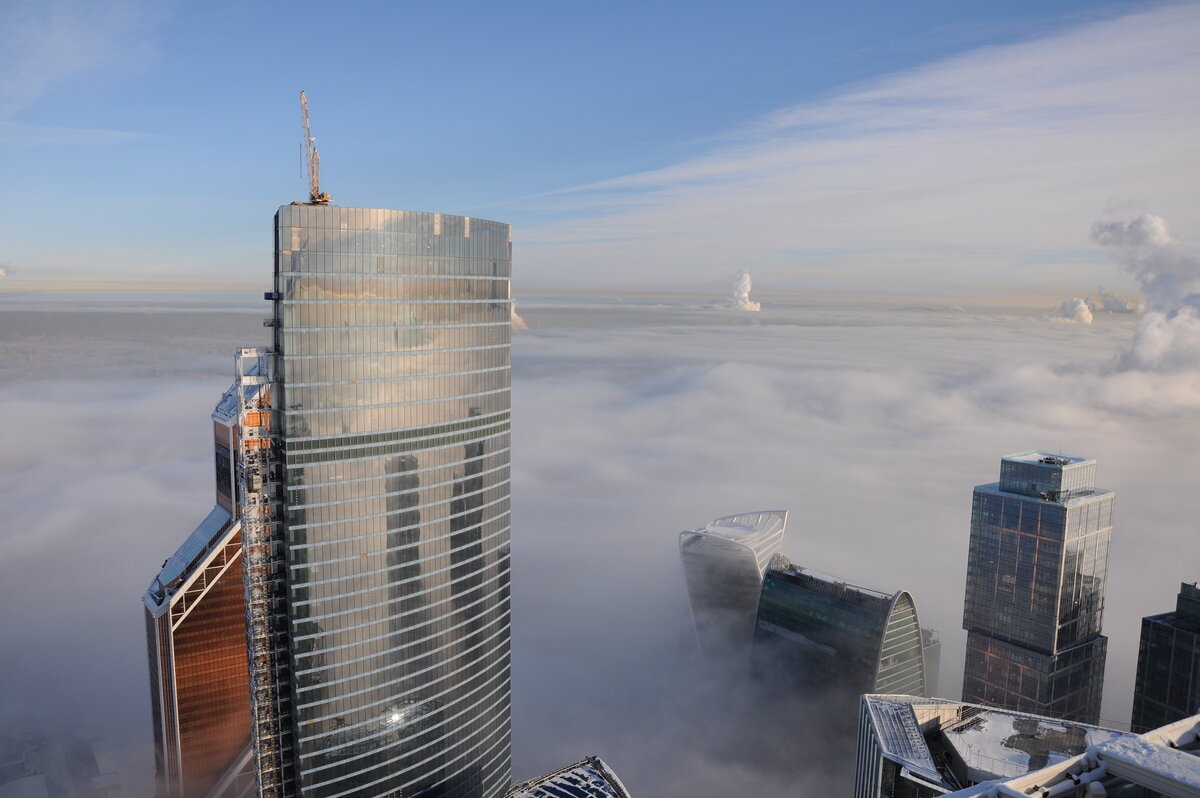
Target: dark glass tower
x=1036 y=575
x=832 y=635
x=1168 y=672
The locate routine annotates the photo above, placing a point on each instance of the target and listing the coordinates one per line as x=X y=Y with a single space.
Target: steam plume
x=1168 y=273
x=1114 y=303
x=518 y=323
x=1075 y=309
x=741 y=293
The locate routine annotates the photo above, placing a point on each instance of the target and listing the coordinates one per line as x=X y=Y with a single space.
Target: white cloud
x=1168 y=273
x=1076 y=310
x=975 y=169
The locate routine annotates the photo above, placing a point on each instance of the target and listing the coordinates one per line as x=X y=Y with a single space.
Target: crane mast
x=312 y=158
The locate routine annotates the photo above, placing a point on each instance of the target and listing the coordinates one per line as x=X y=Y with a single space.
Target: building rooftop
x=1162 y=761
x=782 y=564
x=761 y=532
x=589 y=778
x=952 y=744
x=175 y=570
x=1047 y=458
x=742 y=525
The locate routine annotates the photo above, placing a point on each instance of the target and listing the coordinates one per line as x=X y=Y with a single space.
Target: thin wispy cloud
x=51 y=45
x=997 y=158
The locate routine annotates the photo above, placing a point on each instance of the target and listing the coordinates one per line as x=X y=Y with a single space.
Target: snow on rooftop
x=1006 y=744
x=761 y=522
x=1134 y=757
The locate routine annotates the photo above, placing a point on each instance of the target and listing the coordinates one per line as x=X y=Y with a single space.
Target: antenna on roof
x=312 y=158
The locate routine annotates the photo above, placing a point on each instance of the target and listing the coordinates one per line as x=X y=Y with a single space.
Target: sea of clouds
x=634 y=417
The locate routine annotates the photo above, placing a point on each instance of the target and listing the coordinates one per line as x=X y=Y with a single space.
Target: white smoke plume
x=3 y=270
x=1076 y=310
x=1115 y=303
x=741 y=293
x=518 y=323
x=1168 y=273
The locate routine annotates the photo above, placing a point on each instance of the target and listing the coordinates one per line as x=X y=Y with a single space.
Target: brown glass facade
x=210 y=681
x=198 y=669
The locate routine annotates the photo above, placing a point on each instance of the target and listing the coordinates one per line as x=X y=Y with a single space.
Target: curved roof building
x=832 y=634
x=723 y=564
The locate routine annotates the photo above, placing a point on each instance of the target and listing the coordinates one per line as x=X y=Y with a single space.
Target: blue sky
x=652 y=145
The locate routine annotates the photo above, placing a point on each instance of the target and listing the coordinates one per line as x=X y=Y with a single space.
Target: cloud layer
x=973 y=170
x=633 y=418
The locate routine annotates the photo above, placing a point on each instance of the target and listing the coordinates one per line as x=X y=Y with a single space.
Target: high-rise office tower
x=363 y=492
x=1036 y=575
x=1168 y=671
x=830 y=635
x=378 y=611
x=196 y=636
x=723 y=564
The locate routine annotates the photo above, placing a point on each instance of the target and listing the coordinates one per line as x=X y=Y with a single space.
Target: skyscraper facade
x=1036 y=574
x=1168 y=671
x=379 y=608
x=832 y=635
x=723 y=564
x=196 y=642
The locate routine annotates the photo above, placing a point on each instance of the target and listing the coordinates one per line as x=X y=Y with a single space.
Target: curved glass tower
x=391 y=360
x=830 y=634
x=723 y=564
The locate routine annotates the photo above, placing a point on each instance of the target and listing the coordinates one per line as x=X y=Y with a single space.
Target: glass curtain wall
x=394 y=335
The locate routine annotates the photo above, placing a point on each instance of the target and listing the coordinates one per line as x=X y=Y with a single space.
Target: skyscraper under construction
x=368 y=474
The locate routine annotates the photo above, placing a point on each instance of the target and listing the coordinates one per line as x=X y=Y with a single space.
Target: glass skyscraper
x=723 y=564
x=345 y=608
x=196 y=642
x=830 y=635
x=390 y=424
x=1168 y=671
x=1036 y=575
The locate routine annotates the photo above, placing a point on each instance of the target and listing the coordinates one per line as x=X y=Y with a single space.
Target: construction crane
x=312 y=158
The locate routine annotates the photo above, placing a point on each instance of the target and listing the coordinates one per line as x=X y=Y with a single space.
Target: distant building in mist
x=196 y=640
x=834 y=636
x=1036 y=575
x=37 y=765
x=1168 y=670
x=931 y=650
x=915 y=747
x=723 y=564
x=589 y=778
